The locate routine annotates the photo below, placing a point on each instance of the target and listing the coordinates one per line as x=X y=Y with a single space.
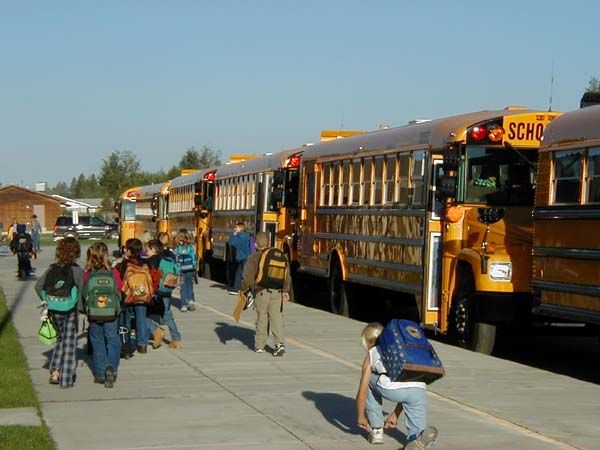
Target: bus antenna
x=551 y=86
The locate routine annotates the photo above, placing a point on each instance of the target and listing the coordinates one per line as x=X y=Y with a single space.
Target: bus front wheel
x=470 y=333
x=338 y=292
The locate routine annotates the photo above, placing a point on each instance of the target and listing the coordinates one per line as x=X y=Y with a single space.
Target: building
x=21 y=203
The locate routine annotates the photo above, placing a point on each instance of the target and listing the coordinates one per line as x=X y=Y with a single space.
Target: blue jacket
x=241 y=242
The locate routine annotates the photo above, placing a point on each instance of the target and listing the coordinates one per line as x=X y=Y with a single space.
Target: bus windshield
x=128 y=210
x=499 y=176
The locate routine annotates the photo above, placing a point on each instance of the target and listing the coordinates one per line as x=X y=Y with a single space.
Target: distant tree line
x=122 y=169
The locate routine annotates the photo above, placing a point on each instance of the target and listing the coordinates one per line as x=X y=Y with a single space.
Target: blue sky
x=80 y=79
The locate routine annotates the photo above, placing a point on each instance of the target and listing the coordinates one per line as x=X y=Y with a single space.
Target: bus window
x=366 y=184
x=335 y=184
x=310 y=189
x=388 y=179
x=593 y=175
x=377 y=181
x=567 y=174
x=499 y=176
x=402 y=184
x=325 y=175
x=416 y=181
x=128 y=209
x=355 y=182
x=345 y=182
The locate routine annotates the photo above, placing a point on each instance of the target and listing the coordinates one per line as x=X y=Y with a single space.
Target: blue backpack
x=185 y=260
x=169 y=271
x=406 y=353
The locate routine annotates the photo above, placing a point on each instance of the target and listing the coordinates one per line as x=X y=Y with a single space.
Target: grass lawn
x=47 y=240
x=17 y=391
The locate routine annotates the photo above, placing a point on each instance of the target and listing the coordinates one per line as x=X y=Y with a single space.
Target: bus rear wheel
x=470 y=333
x=339 y=297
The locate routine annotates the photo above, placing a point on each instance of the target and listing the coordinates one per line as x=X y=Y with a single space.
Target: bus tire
x=339 y=297
x=471 y=334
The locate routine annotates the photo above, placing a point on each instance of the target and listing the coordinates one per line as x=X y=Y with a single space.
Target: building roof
x=29 y=191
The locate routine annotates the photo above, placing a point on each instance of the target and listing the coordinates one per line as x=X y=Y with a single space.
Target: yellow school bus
x=137 y=210
x=438 y=210
x=566 y=252
x=263 y=194
x=189 y=206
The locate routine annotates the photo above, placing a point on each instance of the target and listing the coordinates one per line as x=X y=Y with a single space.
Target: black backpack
x=60 y=292
x=23 y=243
x=272 y=269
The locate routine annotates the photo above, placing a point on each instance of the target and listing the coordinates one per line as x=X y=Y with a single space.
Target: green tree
x=61 y=188
x=119 y=171
x=593 y=86
x=200 y=159
x=92 y=187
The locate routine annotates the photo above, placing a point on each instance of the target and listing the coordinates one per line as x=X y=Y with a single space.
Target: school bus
x=189 y=206
x=263 y=194
x=438 y=210
x=566 y=252
x=137 y=209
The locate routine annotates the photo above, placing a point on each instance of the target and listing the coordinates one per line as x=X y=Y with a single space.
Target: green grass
x=15 y=386
x=25 y=438
x=47 y=240
x=17 y=391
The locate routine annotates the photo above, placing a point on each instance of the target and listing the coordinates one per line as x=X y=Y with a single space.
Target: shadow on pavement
x=11 y=308
x=227 y=332
x=340 y=411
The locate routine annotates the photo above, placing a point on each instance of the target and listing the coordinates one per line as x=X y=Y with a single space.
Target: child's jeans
x=106 y=346
x=168 y=320
x=413 y=399
x=187 y=288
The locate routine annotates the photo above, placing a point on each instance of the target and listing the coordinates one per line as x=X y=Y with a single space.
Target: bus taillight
x=495 y=133
x=479 y=133
x=210 y=176
x=294 y=161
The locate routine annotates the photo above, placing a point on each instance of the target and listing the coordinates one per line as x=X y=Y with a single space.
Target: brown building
x=20 y=203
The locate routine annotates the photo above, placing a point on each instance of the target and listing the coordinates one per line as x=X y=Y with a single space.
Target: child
x=64 y=361
x=240 y=240
x=186 y=258
x=103 y=334
x=133 y=252
x=156 y=253
x=409 y=396
x=22 y=246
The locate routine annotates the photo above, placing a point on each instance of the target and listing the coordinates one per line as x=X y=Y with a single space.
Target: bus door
x=266 y=217
x=429 y=306
x=308 y=252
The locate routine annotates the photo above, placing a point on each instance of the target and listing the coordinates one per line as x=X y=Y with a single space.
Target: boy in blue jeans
x=156 y=252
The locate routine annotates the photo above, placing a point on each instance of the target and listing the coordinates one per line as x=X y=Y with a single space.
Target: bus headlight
x=500 y=271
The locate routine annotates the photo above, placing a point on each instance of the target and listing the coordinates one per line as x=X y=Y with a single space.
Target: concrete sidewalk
x=217 y=393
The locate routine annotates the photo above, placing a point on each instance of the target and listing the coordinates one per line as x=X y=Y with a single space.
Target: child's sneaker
x=157 y=338
x=184 y=309
x=425 y=440
x=279 y=350
x=110 y=377
x=175 y=345
x=259 y=350
x=191 y=306
x=376 y=436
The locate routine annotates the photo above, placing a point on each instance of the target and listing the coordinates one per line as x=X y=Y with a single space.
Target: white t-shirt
x=384 y=381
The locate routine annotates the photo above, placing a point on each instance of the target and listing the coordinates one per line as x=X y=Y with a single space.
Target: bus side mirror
x=153 y=218
x=446 y=187
x=117 y=219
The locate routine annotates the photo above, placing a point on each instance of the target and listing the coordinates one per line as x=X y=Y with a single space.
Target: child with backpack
x=240 y=240
x=22 y=246
x=60 y=288
x=140 y=281
x=410 y=396
x=186 y=260
x=102 y=302
x=165 y=261
x=267 y=276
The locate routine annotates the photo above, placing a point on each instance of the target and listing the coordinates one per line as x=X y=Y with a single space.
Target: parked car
x=88 y=227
